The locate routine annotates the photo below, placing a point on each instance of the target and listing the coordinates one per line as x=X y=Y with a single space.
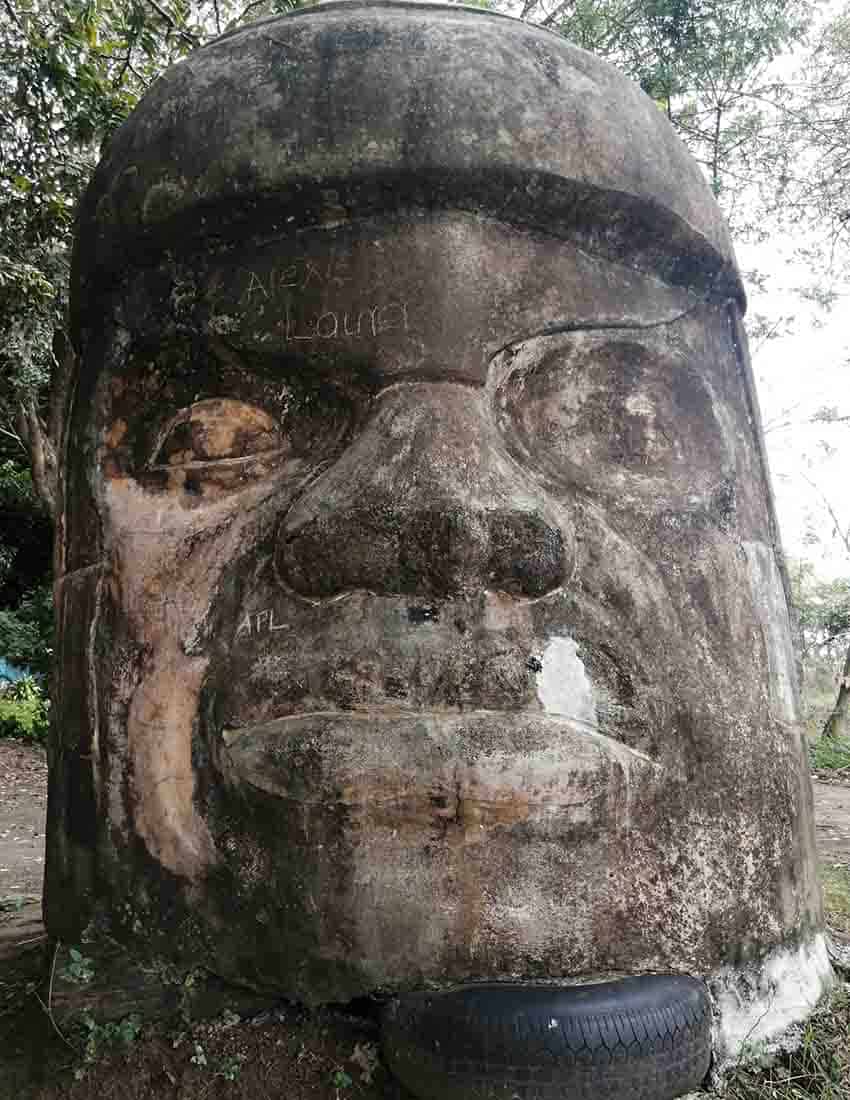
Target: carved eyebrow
x=601 y=324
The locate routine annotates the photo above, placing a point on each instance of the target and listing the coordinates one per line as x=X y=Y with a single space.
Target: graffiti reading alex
x=300 y=274
x=281 y=285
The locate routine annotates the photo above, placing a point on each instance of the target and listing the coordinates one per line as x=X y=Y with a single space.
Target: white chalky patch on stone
x=760 y=1001
x=641 y=404
x=563 y=686
x=772 y=610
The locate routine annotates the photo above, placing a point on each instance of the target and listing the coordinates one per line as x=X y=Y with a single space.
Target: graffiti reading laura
x=345 y=324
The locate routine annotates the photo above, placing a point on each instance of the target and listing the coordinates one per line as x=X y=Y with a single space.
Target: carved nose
x=425 y=503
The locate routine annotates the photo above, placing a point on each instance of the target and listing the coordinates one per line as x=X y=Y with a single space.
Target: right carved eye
x=215 y=430
x=621 y=414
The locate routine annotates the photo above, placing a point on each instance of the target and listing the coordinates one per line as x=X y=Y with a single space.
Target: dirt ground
x=23 y=805
x=282 y=1053
x=832 y=819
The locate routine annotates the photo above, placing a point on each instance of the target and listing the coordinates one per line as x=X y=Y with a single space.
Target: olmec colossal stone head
x=421 y=610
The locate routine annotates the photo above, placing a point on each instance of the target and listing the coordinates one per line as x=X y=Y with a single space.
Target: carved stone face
x=422 y=616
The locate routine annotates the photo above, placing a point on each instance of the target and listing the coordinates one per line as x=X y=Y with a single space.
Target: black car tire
x=641 y=1038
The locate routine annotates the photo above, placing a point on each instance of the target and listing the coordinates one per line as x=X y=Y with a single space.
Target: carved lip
x=390 y=755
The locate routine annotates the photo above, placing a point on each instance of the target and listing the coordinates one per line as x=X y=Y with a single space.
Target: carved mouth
x=428 y=759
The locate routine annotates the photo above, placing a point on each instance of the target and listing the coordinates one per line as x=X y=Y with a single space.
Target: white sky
x=797 y=374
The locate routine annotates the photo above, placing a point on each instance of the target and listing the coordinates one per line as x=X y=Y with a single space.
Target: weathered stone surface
x=422 y=609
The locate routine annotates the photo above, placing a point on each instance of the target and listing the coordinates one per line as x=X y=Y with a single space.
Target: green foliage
x=830 y=753
x=341 y=1080
x=26 y=633
x=24 y=712
x=25 y=531
x=79 y=969
x=810 y=170
x=707 y=64
x=26 y=608
x=97 y=1037
x=70 y=72
x=823 y=611
x=61 y=94
x=230 y=1067
x=676 y=48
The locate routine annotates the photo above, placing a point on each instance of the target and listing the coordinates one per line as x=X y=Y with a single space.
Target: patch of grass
x=830 y=753
x=818 y=1070
x=835 y=880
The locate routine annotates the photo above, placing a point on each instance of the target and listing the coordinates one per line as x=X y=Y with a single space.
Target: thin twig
x=553 y=15
x=15 y=436
x=48 y=1008
x=182 y=32
x=13 y=15
x=255 y=4
x=843 y=536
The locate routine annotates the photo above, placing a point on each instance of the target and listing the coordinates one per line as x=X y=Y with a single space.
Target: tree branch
x=16 y=437
x=41 y=451
x=13 y=15
x=553 y=15
x=843 y=535
x=256 y=3
x=173 y=25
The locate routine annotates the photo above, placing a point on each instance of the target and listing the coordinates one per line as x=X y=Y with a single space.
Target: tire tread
x=656 y=1052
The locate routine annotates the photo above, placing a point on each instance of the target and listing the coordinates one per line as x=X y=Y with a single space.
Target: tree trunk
x=33 y=431
x=838 y=723
x=41 y=439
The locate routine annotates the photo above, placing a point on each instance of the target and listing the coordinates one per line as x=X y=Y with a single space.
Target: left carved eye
x=215 y=430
